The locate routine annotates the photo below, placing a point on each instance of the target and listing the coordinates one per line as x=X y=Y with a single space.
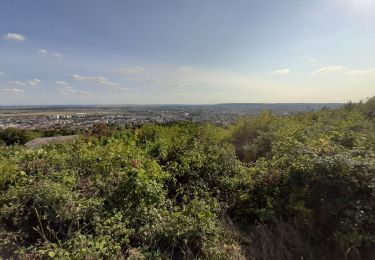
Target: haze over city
x=186 y=52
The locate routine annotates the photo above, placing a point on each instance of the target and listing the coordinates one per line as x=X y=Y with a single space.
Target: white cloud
x=46 y=52
x=68 y=90
x=46 y=93
x=99 y=81
x=123 y=89
x=343 y=69
x=17 y=82
x=329 y=69
x=80 y=78
x=1 y=73
x=145 y=79
x=186 y=68
x=43 y=51
x=62 y=83
x=58 y=55
x=361 y=72
x=14 y=37
x=282 y=72
x=179 y=85
x=132 y=70
x=12 y=90
x=33 y=82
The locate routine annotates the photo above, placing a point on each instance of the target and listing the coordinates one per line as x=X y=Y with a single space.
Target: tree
x=252 y=139
x=100 y=129
x=13 y=136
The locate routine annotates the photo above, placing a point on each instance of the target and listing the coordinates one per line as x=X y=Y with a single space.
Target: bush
x=269 y=187
x=252 y=138
x=13 y=136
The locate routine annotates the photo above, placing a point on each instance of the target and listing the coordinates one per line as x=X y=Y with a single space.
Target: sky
x=56 y=52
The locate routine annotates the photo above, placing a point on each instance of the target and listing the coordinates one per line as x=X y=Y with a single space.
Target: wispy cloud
x=145 y=79
x=179 y=85
x=31 y=82
x=100 y=81
x=361 y=72
x=132 y=70
x=282 y=72
x=66 y=90
x=43 y=51
x=137 y=74
x=329 y=69
x=46 y=52
x=186 y=68
x=12 y=90
x=17 y=82
x=345 y=70
x=122 y=89
x=62 y=83
x=56 y=54
x=14 y=37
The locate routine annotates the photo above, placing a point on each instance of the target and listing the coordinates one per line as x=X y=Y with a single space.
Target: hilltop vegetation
x=269 y=187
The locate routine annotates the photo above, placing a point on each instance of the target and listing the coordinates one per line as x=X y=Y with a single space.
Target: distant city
x=83 y=117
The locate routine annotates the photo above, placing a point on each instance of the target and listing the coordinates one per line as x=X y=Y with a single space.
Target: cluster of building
x=68 y=117
x=84 y=121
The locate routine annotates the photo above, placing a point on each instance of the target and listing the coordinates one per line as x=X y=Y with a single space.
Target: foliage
x=13 y=136
x=252 y=138
x=281 y=187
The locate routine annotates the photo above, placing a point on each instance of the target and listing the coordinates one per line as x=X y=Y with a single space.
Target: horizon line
x=171 y=104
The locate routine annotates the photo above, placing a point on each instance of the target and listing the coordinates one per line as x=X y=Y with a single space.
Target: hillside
x=269 y=187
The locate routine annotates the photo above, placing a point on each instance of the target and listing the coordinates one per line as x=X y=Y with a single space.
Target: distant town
x=83 y=117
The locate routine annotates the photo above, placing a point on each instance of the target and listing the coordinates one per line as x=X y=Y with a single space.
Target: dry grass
x=38 y=142
x=281 y=241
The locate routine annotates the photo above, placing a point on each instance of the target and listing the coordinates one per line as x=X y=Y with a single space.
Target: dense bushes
x=252 y=138
x=369 y=107
x=330 y=197
x=269 y=187
x=12 y=136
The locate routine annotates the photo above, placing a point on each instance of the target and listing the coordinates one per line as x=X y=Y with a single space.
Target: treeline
x=268 y=187
x=15 y=136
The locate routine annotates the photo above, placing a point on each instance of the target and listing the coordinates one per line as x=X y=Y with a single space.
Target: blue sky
x=186 y=51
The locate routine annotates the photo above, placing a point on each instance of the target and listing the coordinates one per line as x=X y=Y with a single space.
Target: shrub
x=269 y=187
x=252 y=138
